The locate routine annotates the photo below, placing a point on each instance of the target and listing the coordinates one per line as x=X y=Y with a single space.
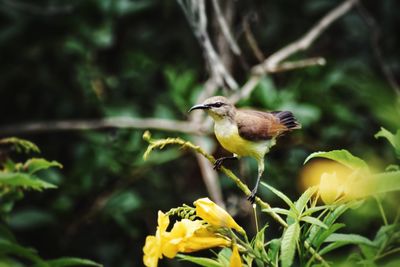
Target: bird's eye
x=218 y=104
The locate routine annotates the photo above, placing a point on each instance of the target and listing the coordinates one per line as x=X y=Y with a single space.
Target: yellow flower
x=330 y=188
x=235 y=261
x=215 y=215
x=203 y=239
x=189 y=236
x=153 y=247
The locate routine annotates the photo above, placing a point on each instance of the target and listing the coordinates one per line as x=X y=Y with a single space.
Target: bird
x=246 y=132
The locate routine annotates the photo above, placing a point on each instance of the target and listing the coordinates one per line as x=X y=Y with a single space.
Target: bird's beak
x=201 y=106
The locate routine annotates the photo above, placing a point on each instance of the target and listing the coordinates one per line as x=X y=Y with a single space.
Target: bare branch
x=304 y=42
x=195 y=13
x=291 y=65
x=252 y=41
x=271 y=64
x=374 y=39
x=95 y=124
x=210 y=177
x=225 y=29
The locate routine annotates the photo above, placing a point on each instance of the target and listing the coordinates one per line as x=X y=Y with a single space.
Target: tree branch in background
x=374 y=39
x=306 y=40
x=95 y=124
x=251 y=40
x=272 y=62
x=195 y=13
x=225 y=29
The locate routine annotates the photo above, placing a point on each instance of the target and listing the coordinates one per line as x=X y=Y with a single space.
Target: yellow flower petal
x=151 y=252
x=330 y=188
x=181 y=231
x=153 y=246
x=235 y=261
x=215 y=215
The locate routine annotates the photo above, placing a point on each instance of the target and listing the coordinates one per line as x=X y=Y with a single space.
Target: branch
x=115 y=122
x=304 y=42
x=374 y=39
x=195 y=13
x=271 y=64
x=225 y=29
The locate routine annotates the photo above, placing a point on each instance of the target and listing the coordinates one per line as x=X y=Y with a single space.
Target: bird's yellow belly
x=229 y=138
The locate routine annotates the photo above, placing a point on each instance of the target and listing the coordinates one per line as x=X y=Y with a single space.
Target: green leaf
x=322 y=234
x=312 y=210
x=36 y=164
x=206 y=262
x=289 y=243
x=24 y=180
x=350 y=239
x=340 y=240
x=341 y=156
x=8 y=248
x=280 y=211
x=304 y=198
x=394 y=139
x=273 y=250
x=315 y=221
x=282 y=196
x=67 y=261
x=20 y=145
x=378 y=183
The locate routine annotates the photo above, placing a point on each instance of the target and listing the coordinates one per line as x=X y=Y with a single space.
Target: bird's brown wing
x=257 y=125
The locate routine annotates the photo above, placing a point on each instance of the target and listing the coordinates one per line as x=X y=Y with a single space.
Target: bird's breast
x=227 y=134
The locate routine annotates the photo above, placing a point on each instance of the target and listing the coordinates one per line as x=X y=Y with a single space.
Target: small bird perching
x=246 y=132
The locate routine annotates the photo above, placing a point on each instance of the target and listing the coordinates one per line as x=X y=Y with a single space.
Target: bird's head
x=218 y=107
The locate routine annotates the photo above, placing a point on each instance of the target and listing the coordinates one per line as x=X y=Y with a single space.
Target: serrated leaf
x=8 y=248
x=315 y=221
x=206 y=262
x=20 y=145
x=67 y=261
x=280 y=211
x=273 y=250
x=24 y=180
x=289 y=243
x=281 y=196
x=36 y=164
x=304 y=198
x=312 y=210
x=324 y=233
x=394 y=139
x=350 y=239
x=378 y=183
x=343 y=157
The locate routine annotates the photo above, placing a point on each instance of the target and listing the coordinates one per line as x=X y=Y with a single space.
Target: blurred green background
x=98 y=58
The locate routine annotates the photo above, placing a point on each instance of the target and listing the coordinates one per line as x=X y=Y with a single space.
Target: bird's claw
x=218 y=164
x=252 y=196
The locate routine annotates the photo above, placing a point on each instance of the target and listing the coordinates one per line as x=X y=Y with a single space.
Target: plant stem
x=381 y=210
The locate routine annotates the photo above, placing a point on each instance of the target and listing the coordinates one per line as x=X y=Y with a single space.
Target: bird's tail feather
x=288 y=120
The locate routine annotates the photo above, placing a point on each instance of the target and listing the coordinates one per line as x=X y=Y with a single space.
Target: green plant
x=310 y=232
x=15 y=179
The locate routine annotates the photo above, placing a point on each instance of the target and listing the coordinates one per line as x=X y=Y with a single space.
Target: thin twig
x=291 y=65
x=306 y=40
x=195 y=13
x=273 y=61
x=94 y=124
x=252 y=40
x=225 y=29
x=374 y=39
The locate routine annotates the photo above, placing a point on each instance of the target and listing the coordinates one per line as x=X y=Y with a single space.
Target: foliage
x=16 y=178
x=311 y=230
